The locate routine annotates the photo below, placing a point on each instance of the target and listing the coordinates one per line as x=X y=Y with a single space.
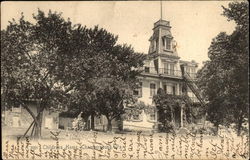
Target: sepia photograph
x=124 y=80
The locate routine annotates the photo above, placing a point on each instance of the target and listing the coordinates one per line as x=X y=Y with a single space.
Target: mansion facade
x=162 y=69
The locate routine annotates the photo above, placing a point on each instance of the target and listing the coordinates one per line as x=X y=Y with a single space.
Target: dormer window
x=166 y=43
x=163 y=42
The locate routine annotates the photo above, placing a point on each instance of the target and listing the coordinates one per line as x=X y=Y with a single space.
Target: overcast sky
x=194 y=23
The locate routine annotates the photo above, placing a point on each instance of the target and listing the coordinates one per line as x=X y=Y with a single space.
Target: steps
x=191 y=84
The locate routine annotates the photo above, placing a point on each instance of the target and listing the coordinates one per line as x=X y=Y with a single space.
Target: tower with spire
x=161 y=70
x=162 y=42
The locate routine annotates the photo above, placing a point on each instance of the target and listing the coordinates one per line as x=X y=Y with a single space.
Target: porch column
x=165 y=42
x=160 y=84
x=177 y=89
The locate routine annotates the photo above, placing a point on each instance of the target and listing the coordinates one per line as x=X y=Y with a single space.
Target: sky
x=194 y=23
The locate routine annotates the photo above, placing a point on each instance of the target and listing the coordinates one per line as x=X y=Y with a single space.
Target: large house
x=161 y=70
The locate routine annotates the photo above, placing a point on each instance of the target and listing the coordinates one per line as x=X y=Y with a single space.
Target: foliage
x=112 y=95
x=31 y=56
x=136 y=109
x=224 y=79
x=166 y=105
x=109 y=78
x=61 y=65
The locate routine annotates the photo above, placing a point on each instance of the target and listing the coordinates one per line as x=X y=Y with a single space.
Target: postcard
x=124 y=80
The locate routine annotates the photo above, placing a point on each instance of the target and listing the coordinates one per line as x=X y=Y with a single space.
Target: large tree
x=60 y=64
x=116 y=77
x=116 y=87
x=224 y=78
x=38 y=60
x=108 y=65
x=91 y=62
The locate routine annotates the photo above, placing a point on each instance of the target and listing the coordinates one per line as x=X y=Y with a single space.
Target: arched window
x=163 y=42
x=168 y=43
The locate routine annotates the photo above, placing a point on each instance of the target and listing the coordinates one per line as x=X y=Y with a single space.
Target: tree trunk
x=239 y=126
x=38 y=129
x=36 y=120
x=37 y=134
x=109 y=126
x=217 y=129
x=39 y=118
x=29 y=111
x=92 y=125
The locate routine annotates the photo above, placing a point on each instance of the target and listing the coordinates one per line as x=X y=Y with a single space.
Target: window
x=146 y=69
x=154 y=45
x=169 y=89
x=171 y=69
x=152 y=89
x=168 y=43
x=138 y=91
x=166 y=69
x=191 y=71
x=163 y=43
x=180 y=89
x=173 y=89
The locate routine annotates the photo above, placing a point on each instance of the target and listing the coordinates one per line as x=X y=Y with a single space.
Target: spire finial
x=161 y=9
